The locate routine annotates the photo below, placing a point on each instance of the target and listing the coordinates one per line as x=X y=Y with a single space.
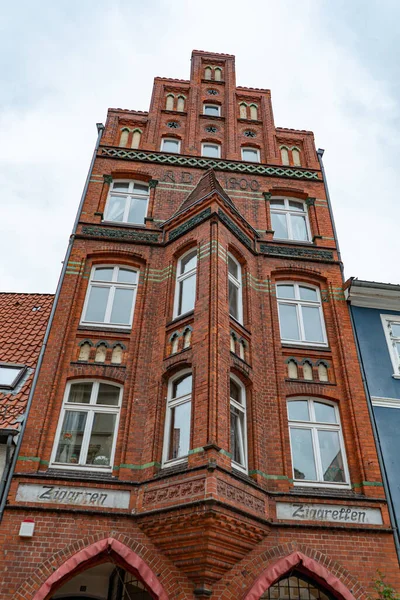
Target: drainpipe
x=377 y=442
x=4 y=492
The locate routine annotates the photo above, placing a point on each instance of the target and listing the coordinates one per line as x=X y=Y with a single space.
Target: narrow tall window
x=316 y=442
x=290 y=220
x=170 y=145
x=211 y=150
x=300 y=314
x=253 y=112
x=238 y=441
x=207 y=73
x=251 y=154
x=217 y=74
x=243 y=110
x=123 y=140
x=177 y=421
x=127 y=202
x=235 y=289
x=284 y=155
x=296 y=157
x=110 y=299
x=169 y=105
x=88 y=424
x=185 y=292
x=181 y=104
x=137 y=134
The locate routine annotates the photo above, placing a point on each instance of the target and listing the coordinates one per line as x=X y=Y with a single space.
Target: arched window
x=211 y=150
x=88 y=425
x=127 y=202
x=137 y=134
x=169 y=104
x=301 y=318
x=238 y=437
x=207 y=73
x=101 y=353
x=212 y=110
x=84 y=352
x=284 y=155
x=242 y=349
x=243 y=110
x=307 y=370
x=217 y=74
x=250 y=154
x=253 y=112
x=235 y=289
x=323 y=372
x=296 y=157
x=187 y=337
x=181 y=104
x=289 y=219
x=110 y=298
x=296 y=586
x=170 y=145
x=232 y=339
x=316 y=441
x=185 y=291
x=123 y=140
x=117 y=354
x=177 y=420
x=292 y=369
x=174 y=343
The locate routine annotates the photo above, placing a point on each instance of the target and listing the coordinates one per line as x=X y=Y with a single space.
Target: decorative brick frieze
x=235 y=494
x=235 y=229
x=181 y=229
x=304 y=253
x=119 y=234
x=179 y=491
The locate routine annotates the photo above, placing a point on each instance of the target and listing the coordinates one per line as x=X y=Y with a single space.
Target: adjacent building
x=199 y=427
x=375 y=309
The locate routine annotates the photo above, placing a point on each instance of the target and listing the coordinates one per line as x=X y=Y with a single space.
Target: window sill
x=306 y=345
x=292 y=242
x=395 y=376
x=318 y=484
x=238 y=324
x=214 y=117
x=80 y=468
x=237 y=467
x=129 y=225
x=178 y=462
x=180 y=318
x=105 y=328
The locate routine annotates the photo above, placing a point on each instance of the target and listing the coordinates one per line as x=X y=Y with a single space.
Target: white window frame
x=238 y=285
x=90 y=409
x=387 y=320
x=207 y=104
x=113 y=285
x=218 y=146
x=129 y=194
x=315 y=426
x=288 y=212
x=18 y=371
x=167 y=139
x=253 y=150
x=298 y=302
x=172 y=403
x=243 y=409
x=182 y=277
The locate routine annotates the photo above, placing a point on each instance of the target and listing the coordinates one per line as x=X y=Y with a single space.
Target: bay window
x=177 y=420
x=235 y=288
x=238 y=437
x=185 y=291
x=300 y=314
x=88 y=425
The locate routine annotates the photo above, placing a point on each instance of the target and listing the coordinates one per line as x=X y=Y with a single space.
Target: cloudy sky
x=332 y=66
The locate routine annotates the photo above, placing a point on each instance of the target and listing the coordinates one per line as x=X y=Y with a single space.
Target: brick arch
x=126 y=552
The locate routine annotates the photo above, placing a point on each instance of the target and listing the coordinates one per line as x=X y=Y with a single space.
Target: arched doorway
x=296 y=586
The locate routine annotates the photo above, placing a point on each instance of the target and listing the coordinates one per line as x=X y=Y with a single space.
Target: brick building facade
x=199 y=426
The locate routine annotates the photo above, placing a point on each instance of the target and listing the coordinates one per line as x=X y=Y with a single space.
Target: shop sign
x=76 y=496
x=337 y=513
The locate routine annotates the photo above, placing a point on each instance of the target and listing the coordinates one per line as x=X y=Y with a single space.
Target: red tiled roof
x=23 y=320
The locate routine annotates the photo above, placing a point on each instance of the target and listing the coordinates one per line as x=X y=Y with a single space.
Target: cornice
x=369 y=295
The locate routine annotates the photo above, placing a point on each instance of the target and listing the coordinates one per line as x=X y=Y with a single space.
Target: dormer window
x=212 y=110
x=170 y=145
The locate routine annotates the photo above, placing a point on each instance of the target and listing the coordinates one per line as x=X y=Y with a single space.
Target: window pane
x=324 y=413
x=331 y=456
x=298 y=410
x=179 y=431
x=182 y=386
x=285 y=291
x=277 y=203
x=237 y=436
x=299 y=228
x=250 y=155
x=170 y=146
x=137 y=210
x=233 y=267
x=120 y=185
x=307 y=293
x=101 y=440
x=279 y=226
x=8 y=375
x=211 y=110
x=233 y=300
x=141 y=188
x=103 y=274
x=303 y=454
x=122 y=306
x=312 y=324
x=235 y=392
x=187 y=291
x=126 y=276
x=189 y=262
x=395 y=329
x=97 y=304
x=296 y=205
x=210 y=150
x=80 y=392
x=108 y=394
x=115 y=208
x=288 y=322
x=71 y=436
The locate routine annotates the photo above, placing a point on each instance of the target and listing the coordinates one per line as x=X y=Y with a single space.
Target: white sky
x=332 y=67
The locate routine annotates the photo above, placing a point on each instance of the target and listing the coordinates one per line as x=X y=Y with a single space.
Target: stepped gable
x=23 y=320
x=208 y=184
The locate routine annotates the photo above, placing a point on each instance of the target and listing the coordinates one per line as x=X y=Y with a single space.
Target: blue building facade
x=375 y=309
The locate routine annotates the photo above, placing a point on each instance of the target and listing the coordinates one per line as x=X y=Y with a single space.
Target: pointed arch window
x=207 y=73
x=185 y=291
x=296 y=157
x=180 y=104
x=235 y=288
x=137 y=134
x=238 y=426
x=253 y=112
x=123 y=140
x=218 y=74
x=284 y=155
x=296 y=586
x=169 y=104
x=316 y=440
x=243 y=110
x=177 y=420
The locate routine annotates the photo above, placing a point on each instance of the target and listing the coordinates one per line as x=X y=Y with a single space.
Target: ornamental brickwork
x=200 y=390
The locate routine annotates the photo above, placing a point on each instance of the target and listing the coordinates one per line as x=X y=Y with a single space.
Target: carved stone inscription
x=229 y=183
x=237 y=495
x=175 y=492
